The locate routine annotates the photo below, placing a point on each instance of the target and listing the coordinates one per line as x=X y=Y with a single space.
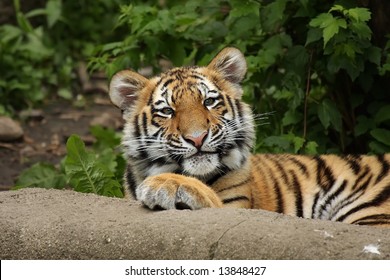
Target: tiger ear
x=125 y=87
x=231 y=64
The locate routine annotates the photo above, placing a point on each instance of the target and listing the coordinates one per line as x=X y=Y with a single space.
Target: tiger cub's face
x=189 y=120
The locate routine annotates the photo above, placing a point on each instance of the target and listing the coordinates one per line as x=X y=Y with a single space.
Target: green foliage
x=41 y=175
x=99 y=171
x=87 y=173
x=312 y=63
x=39 y=54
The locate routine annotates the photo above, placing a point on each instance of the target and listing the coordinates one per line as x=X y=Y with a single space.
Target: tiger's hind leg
x=173 y=191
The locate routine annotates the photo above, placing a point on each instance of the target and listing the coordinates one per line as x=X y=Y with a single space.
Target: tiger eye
x=167 y=111
x=209 y=101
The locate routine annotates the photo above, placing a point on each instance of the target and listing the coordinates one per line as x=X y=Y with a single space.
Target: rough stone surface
x=10 y=130
x=53 y=224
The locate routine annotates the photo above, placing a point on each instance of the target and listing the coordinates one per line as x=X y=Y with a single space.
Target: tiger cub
x=188 y=139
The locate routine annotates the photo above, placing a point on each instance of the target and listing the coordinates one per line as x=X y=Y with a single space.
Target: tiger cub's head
x=189 y=120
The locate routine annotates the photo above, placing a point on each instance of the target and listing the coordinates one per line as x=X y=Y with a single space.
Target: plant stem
x=307 y=93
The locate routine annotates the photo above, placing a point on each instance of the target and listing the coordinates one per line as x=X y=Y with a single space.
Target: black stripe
x=332 y=197
x=384 y=170
x=137 y=128
x=280 y=168
x=239 y=108
x=220 y=105
x=233 y=199
x=374 y=223
x=234 y=186
x=353 y=162
x=154 y=123
x=168 y=82
x=215 y=81
x=217 y=138
x=156 y=134
x=298 y=195
x=302 y=167
x=325 y=177
x=315 y=202
x=158 y=102
x=276 y=187
x=131 y=183
x=197 y=76
x=352 y=197
x=145 y=123
x=224 y=112
x=279 y=198
x=159 y=161
x=231 y=106
x=378 y=200
x=222 y=171
x=360 y=178
x=150 y=100
x=373 y=219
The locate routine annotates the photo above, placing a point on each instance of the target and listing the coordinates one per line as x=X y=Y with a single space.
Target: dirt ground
x=46 y=130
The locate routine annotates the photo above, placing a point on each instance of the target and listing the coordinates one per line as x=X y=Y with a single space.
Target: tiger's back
x=351 y=189
x=187 y=141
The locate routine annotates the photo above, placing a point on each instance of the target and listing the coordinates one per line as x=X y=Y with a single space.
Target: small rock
x=10 y=130
x=32 y=114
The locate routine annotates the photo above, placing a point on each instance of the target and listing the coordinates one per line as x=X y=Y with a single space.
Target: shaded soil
x=46 y=131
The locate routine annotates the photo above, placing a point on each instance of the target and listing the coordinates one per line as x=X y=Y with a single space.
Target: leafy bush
x=39 y=54
x=99 y=171
x=312 y=63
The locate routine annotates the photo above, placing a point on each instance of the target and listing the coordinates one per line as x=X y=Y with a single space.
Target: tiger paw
x=173 y=191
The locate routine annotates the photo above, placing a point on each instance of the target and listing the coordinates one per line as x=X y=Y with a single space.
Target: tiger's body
x=188 y=139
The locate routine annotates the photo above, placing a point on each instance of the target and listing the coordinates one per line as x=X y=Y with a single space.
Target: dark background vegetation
x=322 y=68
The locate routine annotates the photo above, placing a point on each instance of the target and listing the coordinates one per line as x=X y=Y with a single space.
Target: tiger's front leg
x=173 y=191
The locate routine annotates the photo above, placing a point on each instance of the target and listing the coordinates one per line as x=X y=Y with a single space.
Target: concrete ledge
x=52 y=224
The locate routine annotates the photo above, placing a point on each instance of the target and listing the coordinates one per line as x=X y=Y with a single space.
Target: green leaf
x=105 y=138
x=322 y=20
x=24 y=23
x=41 y=175
x=383 y=114
x=329 y=114
x=337 y=8
x=378 y=148
x=374 y=55
x=291 y=117
x=244 y=8
x=361 y=29
x=273 y=14
x=330 y=25
x=298 y=143
x=277 y=141
x=65 y=93
x=313 y=35
x=311 y=148
x=382 y=135
x=54 y=9
x=9 y=33
x=333 y=28
x=363 y=125
x=108 y=158
x=86 y=173
x=360 y=14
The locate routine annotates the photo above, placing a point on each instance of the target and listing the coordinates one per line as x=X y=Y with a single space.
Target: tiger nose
x=196 y=139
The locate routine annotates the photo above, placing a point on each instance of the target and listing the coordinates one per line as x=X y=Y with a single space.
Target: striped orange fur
x=188 y=139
